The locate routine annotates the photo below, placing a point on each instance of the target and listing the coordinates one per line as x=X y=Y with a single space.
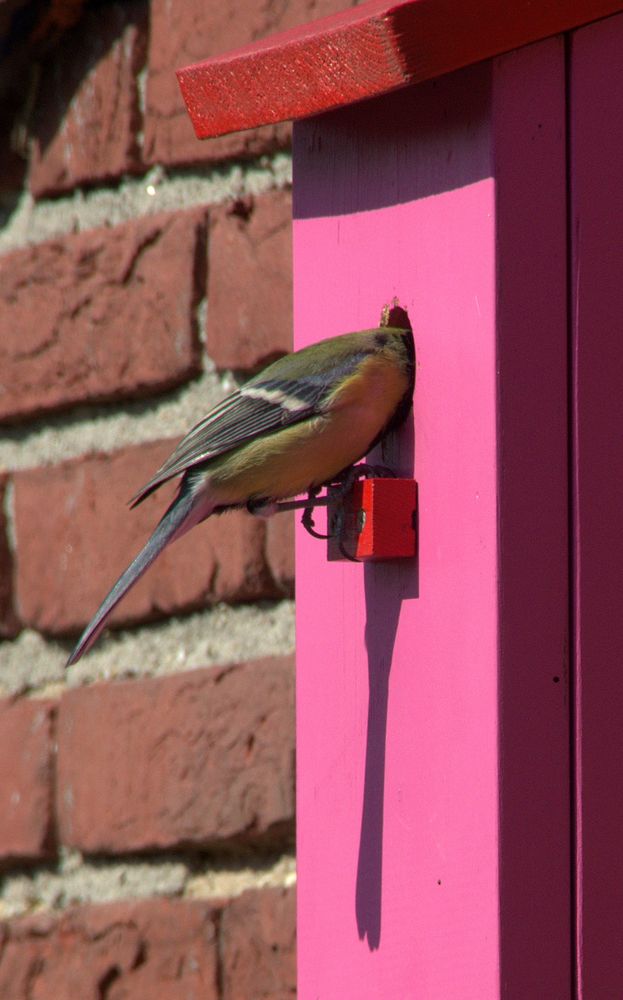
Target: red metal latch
x=375 y=520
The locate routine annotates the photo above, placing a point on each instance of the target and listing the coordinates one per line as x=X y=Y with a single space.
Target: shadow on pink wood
x=410 y=129
x=386 y=586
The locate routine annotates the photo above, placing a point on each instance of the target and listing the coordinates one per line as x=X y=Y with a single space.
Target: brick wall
x=146 y=794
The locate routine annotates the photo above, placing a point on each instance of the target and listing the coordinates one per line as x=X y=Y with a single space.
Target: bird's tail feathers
x=176 y=521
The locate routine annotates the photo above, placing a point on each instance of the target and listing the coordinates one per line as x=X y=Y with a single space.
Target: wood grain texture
x=597 y=224
x=362 y=52
x=432 y=738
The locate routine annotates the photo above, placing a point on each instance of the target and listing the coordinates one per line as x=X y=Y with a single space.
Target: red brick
x=106 y=314
x=9 y=623
x=280 y=550
x=198 y=31
x=87 y=113
x=26 y=763
x=258 y=946
x=250 y=281
x=75 y=535
x=164 y=949
x=190 y=759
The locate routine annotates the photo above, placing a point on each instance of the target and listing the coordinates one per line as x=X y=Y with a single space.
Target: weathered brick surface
x=87 y=118
x=75 y=534
x=105 y=314
x=153 y=950
x=258 y=946
x=193 y=758
x=9 y=623
x=280 y=550
x=250 y=281
x=198 y=31
x=26 y=762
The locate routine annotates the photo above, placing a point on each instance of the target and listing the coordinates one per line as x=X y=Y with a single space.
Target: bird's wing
x=261 y=406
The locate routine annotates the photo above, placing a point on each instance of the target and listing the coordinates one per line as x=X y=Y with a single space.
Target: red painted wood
x=364 y=51
x=597 y=226
x=377 y=521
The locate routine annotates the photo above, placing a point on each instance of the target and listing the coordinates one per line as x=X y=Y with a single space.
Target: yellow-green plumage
x=290 y=461
x=297 y=425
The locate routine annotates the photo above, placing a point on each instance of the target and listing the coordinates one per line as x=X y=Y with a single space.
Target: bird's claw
x=307 y=520
x=339 y=488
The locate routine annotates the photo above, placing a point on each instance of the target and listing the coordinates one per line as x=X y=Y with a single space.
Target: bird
x=300 y=424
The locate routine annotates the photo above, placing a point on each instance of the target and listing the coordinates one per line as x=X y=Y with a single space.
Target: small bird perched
x=297 y=426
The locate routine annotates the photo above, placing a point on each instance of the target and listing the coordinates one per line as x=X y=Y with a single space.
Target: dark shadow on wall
x=61 y=76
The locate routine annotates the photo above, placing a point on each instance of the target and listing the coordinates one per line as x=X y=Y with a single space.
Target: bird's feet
x=338 y=487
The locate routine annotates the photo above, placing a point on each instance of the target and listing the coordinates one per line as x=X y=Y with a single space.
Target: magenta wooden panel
x=433 y=813
x=597 y=229
x=534 y=684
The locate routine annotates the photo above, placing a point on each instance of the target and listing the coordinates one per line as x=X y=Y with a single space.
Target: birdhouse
x=460 y=710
